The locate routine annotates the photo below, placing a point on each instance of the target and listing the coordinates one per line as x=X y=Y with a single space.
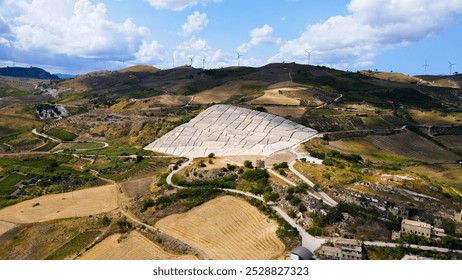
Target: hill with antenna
x=27 y=72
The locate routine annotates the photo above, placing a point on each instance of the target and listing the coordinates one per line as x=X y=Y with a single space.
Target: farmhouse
x=343 y=249
x=418 y=228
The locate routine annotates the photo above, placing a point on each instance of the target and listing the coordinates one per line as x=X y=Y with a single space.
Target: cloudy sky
x=78 y=36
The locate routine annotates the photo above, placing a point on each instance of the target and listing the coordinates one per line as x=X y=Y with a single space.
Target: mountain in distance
x=27 y=72
x=64 y=76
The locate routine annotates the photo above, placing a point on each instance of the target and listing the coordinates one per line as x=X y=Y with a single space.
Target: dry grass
x=224 y=92
x=140 y=68
x=276 y=97
x=137 y=187
x=435 y=118
x=132 y=247
x=226 y=228
x=153 y=102
x=413 y=146
x=5 y=226
x=396 y=77
x=58 y=206
x=295 y=112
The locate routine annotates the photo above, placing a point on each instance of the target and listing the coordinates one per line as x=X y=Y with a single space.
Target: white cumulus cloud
x=260 y=36
x=371 y=27
x=195 y=23
x=178 y=5
x=198 y=49
x=74 y=28
x=149 y=52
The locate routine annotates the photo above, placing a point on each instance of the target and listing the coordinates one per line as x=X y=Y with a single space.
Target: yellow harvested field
x=226 y=228
x=65 y=205
x=134 y=247
x=153 y=102
x=295 y=112
x=5 y=226
x=276 y=97
x=224 y=92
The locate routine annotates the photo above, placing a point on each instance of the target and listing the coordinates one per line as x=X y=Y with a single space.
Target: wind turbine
x=450 y=67
x=239 y=59
x=173 y=61
x=203 y=63
x=191 y=58
x=425 y=66
x=309 y=56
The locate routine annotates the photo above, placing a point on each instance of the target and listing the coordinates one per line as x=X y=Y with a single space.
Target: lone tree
x=211 y=155
x=248 y=164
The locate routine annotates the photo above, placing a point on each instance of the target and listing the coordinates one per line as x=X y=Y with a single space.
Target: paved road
x=325 y=198
x=105 y=144
x=308 y=241
x=425 y=248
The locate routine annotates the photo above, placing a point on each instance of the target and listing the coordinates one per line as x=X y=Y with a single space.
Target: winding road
x=308 y=241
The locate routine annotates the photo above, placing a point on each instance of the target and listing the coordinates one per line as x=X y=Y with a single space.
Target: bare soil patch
x=66 y=205
x=226 y=228
x=295 y=112
x=138 y=187
x=132 y=247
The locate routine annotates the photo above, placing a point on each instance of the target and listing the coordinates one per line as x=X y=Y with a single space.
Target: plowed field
x=226 y=228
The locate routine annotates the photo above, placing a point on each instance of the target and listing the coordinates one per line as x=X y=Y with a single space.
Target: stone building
x=458 y=217
x=418 y=228
x=260 y=164
x=343 y=249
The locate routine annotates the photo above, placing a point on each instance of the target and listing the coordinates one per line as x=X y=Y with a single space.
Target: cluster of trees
x=351 y=158
x=228 y=182
x=189 y=197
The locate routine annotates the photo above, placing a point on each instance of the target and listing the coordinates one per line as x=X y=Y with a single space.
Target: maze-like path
x=227 y=130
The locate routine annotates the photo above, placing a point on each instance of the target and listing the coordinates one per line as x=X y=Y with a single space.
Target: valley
x=358 y=153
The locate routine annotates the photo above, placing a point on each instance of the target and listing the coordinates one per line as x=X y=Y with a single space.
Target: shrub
x=281 y=165
x=248 y=164
x=315 y=231
x=211 y=155
x=147 y=204
x=106 y=221
x=255 y=175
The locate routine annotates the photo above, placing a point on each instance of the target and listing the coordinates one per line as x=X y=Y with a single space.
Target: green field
x=61 y=134
x=374 y=122
x=25 y=144
x=86 y=146
x=8 y=183
x=78 y=243
x=47 y=147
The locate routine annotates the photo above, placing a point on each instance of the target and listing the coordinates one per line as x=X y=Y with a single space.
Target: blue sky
x=78 y=36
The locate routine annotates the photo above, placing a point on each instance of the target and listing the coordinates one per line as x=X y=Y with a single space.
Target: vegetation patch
x=73 y=247
x=61 y=134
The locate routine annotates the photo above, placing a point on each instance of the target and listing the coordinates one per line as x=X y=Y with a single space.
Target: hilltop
x=27 y=72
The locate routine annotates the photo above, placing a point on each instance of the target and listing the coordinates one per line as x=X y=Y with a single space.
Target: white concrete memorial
x=227 y=130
